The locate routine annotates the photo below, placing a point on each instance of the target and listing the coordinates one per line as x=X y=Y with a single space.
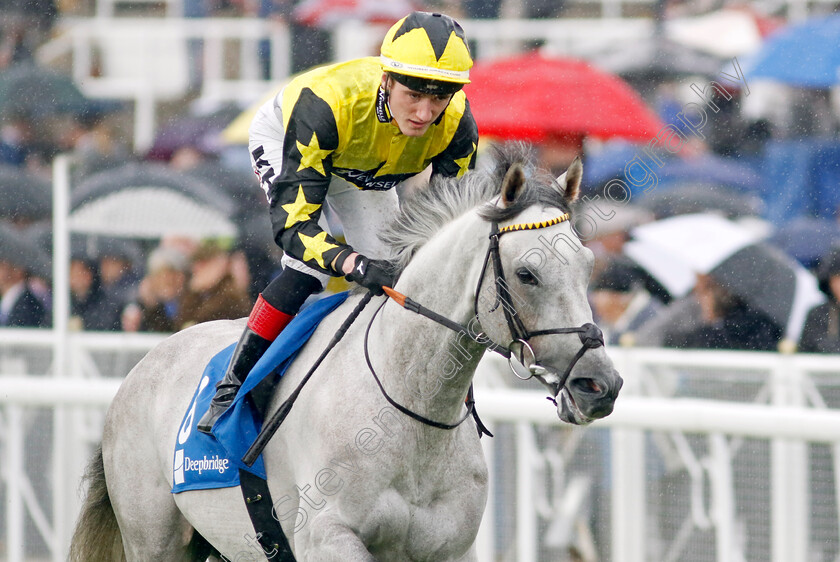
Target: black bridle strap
x=414 y=415
x=517 y=328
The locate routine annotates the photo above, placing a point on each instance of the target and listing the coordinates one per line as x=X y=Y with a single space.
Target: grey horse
x=351 y=477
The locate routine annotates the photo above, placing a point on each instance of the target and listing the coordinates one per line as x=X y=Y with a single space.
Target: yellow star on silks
x=464 y=163
x=315 y=247
x=300 y=210
x=311 y=155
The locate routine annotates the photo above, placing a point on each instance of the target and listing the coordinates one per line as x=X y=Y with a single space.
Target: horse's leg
x=152 y=526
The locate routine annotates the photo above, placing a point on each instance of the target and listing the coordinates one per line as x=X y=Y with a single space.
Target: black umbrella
x=656 y=59
x=698 y=198
x=23 y=195
x=770 y=281
x=674 y=250
x=36 y=91
x=17 y=248
x=807 y=239
x=241 y=185
x=151 y=175
x=199 y=131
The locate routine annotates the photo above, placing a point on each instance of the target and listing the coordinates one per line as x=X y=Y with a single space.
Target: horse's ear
x=570 y=180
x=512 y=184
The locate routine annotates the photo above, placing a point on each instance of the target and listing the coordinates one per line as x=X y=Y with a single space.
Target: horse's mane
x=427 y=210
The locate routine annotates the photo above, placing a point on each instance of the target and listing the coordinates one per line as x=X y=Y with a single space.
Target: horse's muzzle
x=588 y=397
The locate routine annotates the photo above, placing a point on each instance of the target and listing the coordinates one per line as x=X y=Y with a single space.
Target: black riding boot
x=248 y=351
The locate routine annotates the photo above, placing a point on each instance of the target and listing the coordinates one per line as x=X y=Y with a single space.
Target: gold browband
x=534 y=225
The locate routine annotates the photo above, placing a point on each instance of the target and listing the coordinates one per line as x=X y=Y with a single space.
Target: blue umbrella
x=805 y=55
x=711 y=170
x=704 y=169
x=807 y=239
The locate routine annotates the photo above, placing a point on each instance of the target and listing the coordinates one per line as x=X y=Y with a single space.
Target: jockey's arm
x=294 y=164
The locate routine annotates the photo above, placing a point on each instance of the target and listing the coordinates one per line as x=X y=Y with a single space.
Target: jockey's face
x=413 y=111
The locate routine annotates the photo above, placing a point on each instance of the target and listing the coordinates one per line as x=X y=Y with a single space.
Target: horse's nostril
x=588 y=385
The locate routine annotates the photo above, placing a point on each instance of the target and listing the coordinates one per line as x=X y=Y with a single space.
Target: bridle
x=590 y=335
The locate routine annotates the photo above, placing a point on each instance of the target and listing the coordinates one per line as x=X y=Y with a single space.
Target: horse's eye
x=526 y=277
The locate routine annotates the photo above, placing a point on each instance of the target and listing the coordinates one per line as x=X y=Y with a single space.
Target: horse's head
x=533 y=293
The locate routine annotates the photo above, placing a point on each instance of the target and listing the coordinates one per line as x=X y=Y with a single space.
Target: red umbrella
x=530 y=97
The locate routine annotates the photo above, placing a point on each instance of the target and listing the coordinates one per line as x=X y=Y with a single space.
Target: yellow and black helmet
x=427 y=53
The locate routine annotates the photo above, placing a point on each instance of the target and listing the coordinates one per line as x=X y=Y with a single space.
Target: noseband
x=590 y=335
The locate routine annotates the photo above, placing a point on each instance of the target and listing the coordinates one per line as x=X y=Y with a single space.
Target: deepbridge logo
x=214 y=463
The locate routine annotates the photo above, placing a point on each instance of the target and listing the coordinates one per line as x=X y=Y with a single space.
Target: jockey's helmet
x=427 y=53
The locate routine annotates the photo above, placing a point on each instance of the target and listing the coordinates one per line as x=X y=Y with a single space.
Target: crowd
x=176 y=282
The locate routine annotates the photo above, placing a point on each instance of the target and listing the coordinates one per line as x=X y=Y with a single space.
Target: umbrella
x=697 y=198
x=770 y=281
x=725 y=33
x=18 y=249
x=807 y=239
x=533 y=97
x=236 y=131
x=147 y=174
x=609 y=162
x=761 y=275
x=328 y=14
x=199 y=131
x=805 y=55
x=710 y=169
x=150 y=213
x=656 y=59
x=39 y=92
x=675 y=249
x=23 y=195
x=241 y=185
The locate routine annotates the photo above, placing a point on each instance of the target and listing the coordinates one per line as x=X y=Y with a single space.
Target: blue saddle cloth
x=203 y=461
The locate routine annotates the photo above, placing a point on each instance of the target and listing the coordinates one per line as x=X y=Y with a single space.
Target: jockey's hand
x=372 y=274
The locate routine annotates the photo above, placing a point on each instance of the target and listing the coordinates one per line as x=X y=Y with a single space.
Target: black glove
x=372 y=274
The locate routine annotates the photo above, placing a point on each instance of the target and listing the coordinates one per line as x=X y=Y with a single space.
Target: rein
x=590 y=335
x=470 y=401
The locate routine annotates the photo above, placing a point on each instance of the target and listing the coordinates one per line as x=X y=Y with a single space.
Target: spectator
x=621 y=302
x=821 y=333
x=726 y=322
x=19 y=306
x=117 y=273
x=17 y=138
x=89 y=309
x=25 y=25
x=212 y=293
x=159 y=293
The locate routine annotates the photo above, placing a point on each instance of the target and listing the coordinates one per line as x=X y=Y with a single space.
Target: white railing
x=686 y=411
x=148 y=61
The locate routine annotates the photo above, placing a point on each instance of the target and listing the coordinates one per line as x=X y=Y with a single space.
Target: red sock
x=266 y=321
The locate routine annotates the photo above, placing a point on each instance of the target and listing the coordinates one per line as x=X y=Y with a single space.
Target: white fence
x=717 y=456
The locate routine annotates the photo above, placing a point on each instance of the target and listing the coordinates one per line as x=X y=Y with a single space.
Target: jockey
x=331 y=147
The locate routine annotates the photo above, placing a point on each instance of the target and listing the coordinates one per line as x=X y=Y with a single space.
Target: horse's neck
x=432 y=366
